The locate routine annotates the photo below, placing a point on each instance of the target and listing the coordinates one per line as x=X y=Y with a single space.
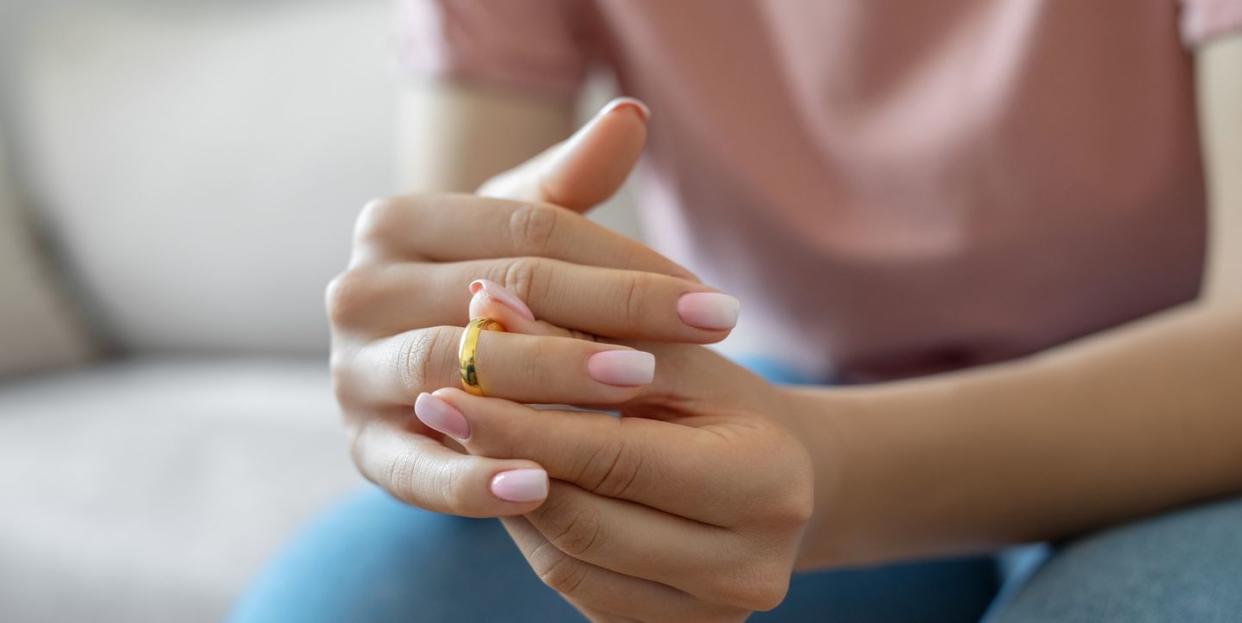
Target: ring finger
x=522 y=368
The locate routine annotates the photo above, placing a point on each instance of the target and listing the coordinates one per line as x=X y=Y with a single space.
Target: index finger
x=422 y=472
x=458 y=227
x=655 y=463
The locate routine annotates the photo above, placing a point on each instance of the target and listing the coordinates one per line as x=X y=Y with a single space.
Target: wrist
x=879 y=481
x=814 y=417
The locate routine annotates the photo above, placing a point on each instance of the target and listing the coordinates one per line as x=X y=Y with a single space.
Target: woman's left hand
x=688 y=507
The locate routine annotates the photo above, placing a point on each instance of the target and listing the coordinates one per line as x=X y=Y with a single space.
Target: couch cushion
x=153 y=490
x=202 y=163
x=37 y=328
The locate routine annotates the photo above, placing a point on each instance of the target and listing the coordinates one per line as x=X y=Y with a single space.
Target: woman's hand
x=396 y=313
x=693 y=510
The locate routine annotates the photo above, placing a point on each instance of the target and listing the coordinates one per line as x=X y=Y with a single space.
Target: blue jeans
x=1181 y=566
x=371 y=558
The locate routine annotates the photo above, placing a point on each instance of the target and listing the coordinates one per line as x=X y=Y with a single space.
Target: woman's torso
x=891 y=188
x=896 y=188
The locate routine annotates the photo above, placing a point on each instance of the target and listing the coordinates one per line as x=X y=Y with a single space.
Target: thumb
x=489 y=299
x=585 y=169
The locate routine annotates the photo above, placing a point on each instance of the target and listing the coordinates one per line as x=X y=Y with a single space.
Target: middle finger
x=619 y=304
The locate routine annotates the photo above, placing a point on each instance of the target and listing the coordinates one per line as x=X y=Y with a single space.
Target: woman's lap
x=1181 y=566
x=372 y=558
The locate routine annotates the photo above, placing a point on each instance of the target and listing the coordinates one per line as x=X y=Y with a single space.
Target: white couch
x=183 y=182
x=194 y=173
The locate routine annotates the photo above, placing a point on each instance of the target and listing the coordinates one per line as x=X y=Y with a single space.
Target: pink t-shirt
x=890 y=187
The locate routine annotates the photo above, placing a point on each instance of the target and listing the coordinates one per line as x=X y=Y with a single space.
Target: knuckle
x=454 y=495
x=402 y=474
x=573 y=531
x=346 y=297
x=416 y=357
x=794 y=505
x=339 y=370
x=770 y=590
x=355 y=434
x=378 y=218
x=413 y=478
x=558 y=571
x=795 y=509
x=533 y=228
x=613 y=468
x=524 y=277
x=785 y=503
x=758 y=587
x=405 y=471
x=634 y=287
x=543 y=350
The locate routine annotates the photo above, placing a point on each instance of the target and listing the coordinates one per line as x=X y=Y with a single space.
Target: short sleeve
x=538 y=45
x=1202 y=20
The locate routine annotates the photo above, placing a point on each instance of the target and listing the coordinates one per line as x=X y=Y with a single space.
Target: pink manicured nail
x=500 y=293
x=441 y=416
x=708 y=310
x=628 y=102
x=521 y=485
x=622 y=367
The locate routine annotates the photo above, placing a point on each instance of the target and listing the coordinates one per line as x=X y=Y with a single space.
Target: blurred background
x=178 y=182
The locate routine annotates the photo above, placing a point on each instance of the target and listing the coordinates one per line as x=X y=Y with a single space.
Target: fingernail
x=503 y=295
x=622 y=367
x=708 y=310
x=628 y=103
x=441 y=416
x=521 y=485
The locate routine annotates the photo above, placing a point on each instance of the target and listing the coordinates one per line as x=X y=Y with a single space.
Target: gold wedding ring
x=466 y=353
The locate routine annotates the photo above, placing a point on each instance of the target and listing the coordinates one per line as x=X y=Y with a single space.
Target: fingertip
x=451 y=394
x=441 y=416
x=484 y=305
x=622 y=367
x=521 y=485
x=504 y=488
x=465 y=402
x=596 y=160
x=477 y=408
x=627 y=103
x=484 y=291
x=710 y=311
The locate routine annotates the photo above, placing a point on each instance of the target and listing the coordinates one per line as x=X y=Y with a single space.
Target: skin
x=713 y=486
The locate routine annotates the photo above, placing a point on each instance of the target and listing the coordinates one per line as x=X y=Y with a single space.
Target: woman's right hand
x=397 y=312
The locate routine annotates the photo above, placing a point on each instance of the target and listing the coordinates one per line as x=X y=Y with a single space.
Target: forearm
x=1128 y=422
x=453 y=137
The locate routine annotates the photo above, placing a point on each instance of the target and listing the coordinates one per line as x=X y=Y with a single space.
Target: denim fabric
x=1181 y=566
x=372 y=558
